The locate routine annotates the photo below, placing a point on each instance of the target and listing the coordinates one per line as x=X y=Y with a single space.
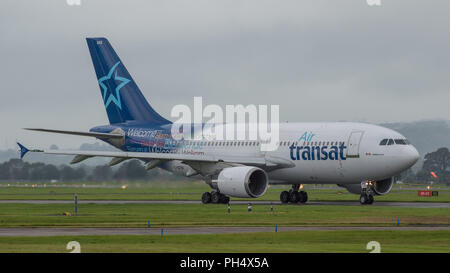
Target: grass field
x=304 y=241
x=171 y=215
x=183 y=215
x=190 y=191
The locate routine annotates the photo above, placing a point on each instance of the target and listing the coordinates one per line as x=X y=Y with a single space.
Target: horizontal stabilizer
x=24 y=150
x=77 y=133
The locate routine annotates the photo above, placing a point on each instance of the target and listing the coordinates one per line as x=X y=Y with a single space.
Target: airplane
x=362 y=158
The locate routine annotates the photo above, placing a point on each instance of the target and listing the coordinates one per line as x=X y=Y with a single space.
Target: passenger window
x=384 y=142
x=391 y=141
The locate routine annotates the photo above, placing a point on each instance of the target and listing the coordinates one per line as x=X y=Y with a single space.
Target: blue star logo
x=115 y=98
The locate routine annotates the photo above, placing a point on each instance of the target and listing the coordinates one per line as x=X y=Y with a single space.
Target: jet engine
x=380 y=187
x=242 y=181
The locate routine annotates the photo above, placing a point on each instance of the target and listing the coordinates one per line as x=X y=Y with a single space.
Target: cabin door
x=353 y=144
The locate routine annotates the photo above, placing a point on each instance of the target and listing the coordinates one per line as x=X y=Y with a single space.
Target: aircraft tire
x=363 y=199
x=294 y=197
x=304 y=197
x=284 y=197
x=215 y=198
x=206 y=198
x=224 y=199
x=370 y=199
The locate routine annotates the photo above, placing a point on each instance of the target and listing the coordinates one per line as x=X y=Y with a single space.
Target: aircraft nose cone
x=411 y=156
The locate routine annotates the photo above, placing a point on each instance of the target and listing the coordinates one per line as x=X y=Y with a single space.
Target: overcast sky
x=319 y=60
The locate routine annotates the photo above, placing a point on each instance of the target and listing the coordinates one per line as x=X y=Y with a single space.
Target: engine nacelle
x=383 y=187
x=245 y=181
x=380 y=187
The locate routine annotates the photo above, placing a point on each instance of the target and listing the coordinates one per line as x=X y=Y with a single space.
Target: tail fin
x=122 y=98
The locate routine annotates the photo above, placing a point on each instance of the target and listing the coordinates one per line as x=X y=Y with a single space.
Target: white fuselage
x=325 y=153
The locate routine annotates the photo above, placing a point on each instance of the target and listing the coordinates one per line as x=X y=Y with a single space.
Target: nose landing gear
x=294 y=196
x=366 y=197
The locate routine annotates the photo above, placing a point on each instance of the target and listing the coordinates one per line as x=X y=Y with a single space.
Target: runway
x=185 y=230
x=312 y=203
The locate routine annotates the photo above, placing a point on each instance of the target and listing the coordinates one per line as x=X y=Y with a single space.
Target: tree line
x=437 y=162
x=18 y=170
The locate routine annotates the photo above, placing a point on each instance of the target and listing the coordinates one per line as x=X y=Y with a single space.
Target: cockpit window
x=400 y=141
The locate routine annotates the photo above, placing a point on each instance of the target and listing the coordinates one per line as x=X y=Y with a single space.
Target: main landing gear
x=366 y=197
x=215 y=198
x=293 y=195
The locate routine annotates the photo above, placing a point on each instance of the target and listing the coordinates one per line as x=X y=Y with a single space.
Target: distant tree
x=68 y=173
x=132 y=170
x=80 y=173
x=18 y=169
x=4 y=171
x=50 y=172
x=36 y=171
x=102 y=173
x=438 y=162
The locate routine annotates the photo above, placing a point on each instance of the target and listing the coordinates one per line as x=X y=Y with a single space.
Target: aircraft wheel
x=304 y=196
x=284 y=197
x=206 y=198
x=225 y=199
x=215 y=197
x=370 y=199
x=294 y=197
x=363 y=199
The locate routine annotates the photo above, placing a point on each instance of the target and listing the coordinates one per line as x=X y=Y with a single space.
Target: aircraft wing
x=163 y=156
x=273 y=162
x=77 y=133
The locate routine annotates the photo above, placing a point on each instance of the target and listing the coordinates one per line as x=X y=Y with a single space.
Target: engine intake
x=383 y=187
x=245 y=181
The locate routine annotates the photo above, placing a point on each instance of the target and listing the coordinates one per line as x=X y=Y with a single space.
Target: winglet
x=23 y=150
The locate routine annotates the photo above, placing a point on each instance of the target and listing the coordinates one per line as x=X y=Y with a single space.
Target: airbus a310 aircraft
x=360 y=157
